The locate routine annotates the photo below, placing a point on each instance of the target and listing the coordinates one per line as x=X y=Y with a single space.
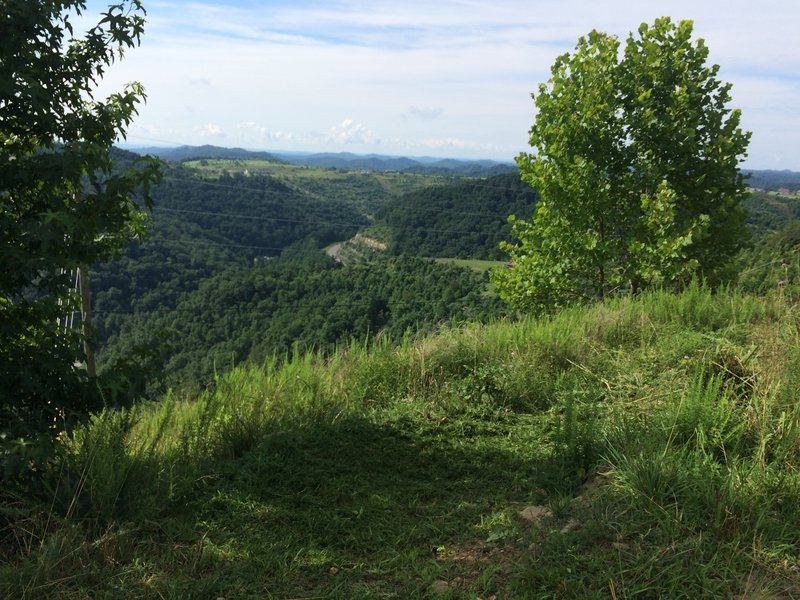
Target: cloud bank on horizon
x=451 y=78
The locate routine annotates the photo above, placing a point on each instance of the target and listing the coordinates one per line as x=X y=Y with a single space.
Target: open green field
x=214 y=167
x=370 y=188
x=645 y=448
x=394 y=182
x=783 y=194
x=217 y=166
x=479 y=266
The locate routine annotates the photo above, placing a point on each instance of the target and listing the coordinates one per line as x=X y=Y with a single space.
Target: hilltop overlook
x=572 y=453
x=228 y=373
x=298 y=395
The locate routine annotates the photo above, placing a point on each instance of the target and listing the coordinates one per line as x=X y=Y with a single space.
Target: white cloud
x=350 y=132
x=211 y=130
x=255 y=133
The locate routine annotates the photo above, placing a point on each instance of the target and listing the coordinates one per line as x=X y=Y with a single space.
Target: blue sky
x=446 y=78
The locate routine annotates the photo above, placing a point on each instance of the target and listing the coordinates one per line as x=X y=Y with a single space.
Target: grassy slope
x=660 y=434
x=368 y=190
x=479 y=266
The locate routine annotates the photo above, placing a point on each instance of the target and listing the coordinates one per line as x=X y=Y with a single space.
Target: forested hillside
x=771 y=261
x=209 y=216
x=233 y=269
x=302 y=301
x=768 y=212
x=464 y=220
x=201 y=226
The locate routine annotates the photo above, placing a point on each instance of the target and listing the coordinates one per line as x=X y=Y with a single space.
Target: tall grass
x=531 y=365
x=712 y=460
x=685 y=405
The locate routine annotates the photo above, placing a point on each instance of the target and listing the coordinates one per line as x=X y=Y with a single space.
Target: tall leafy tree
x=64 y=201
x=636 y=160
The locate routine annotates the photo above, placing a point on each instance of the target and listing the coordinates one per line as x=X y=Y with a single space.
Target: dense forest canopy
x=464 y=220
x=301 y=301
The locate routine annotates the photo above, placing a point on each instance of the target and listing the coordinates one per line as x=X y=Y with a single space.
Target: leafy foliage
x=64 y=204
x=636 y=163
x=773 y=264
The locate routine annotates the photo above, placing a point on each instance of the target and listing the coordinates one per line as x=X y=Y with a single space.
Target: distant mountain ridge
x=762 y=179
x=769 y=179
x=340 y=160
x=182 y=153
x=379 y=162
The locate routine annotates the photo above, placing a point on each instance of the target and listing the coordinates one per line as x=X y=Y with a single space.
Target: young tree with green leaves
x=636 y=160
x=65 y=204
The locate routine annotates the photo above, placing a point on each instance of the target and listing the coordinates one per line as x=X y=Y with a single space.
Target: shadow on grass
x=351 y=506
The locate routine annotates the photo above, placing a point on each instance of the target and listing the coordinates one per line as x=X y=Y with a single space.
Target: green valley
x=230 y=224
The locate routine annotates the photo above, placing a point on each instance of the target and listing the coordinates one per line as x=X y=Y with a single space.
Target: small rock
x=619 y=545
x=571 y=525
x=534 y=514
x=439 y=586
x=333 y=570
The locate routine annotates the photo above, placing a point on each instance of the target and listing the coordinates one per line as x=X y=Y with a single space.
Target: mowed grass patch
x=356 y=507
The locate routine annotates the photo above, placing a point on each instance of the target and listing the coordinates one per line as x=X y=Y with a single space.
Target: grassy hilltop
x=641 y=448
